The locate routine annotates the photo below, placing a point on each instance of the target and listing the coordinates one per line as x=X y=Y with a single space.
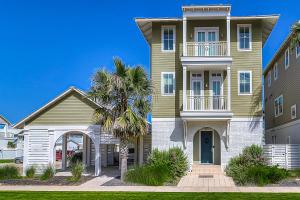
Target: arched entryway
x=207 y=147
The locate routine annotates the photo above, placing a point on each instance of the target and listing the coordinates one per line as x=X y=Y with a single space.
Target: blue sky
x=48 y=46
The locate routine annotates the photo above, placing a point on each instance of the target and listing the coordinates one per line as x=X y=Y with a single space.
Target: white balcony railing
x=206 y=49
x=206 y=103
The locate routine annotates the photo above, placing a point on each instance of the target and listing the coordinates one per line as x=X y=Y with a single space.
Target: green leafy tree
x=295 y=35
x=124 y=96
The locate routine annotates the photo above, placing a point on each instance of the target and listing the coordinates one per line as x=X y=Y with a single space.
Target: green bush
x=178 y=162
x=9 y=172
x=30 y=172
x=250 y=167
x=76 y=157
x=154 y=175
x=76 y=170
x=11 y=145
x=48 y=173
x=262 y=175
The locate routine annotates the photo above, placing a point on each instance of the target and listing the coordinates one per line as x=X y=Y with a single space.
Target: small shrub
x=75 y=158
x=76 y=170
x=178 y=162
x=11 y=145
x=158 y=158
x=294 y=173
x=30 y=172
x=48 y=173
x=153 y=175
x=9 y=172
x=253 y=155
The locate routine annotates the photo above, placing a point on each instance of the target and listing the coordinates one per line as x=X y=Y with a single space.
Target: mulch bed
x=56 y=180
x=287 y=183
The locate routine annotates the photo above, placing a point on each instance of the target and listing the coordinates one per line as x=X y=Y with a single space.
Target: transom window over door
x=168 y=35
x=206 y=41
x=168 y=83
x=245 y=82
x=244 y=36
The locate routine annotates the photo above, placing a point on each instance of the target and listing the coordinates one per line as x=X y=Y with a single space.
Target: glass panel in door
x=196 y=95
x=212 y=45
x=217 y=101
x=200 y=47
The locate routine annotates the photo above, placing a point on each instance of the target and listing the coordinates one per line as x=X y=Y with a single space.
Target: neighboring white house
x=11 y=141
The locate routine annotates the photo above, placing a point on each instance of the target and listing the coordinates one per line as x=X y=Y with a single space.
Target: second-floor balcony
x=206 y=103
x=206 y=49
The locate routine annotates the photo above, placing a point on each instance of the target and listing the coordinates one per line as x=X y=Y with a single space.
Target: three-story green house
x=206 y=69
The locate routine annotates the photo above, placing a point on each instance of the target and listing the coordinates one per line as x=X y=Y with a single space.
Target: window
x=275 y=71
x=2 y=126
x=293 y=111
x=245 y=82
x=244 y=37
x=287 y=58
x=168 y=34
x=168 y=83
x=278 y=106
x=297 y=50
x=269 y=78
x=273 y=139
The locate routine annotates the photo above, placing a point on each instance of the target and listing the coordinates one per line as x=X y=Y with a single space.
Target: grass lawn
x=146 y=195
x=7 y=161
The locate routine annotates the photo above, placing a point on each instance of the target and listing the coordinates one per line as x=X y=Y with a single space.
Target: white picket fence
x=284 y=155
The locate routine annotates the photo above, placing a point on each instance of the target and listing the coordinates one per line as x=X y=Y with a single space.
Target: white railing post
x=184 y=36
x=228 y=88
x=184 y=88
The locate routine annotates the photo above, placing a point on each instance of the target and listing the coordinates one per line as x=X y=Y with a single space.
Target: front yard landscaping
x=143 y=195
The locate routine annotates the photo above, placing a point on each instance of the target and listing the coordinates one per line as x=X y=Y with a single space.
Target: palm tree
x=124 y=96
x=295 y=35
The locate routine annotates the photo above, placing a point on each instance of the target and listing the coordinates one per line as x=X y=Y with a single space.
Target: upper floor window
x=244 y=37
x=287 y=58
x=245 y=82
x=168 y=36
x=168 y=83
x=278 y=106
x=297 y=50
x=275 y=71
x=269 y=78
x=2 y=126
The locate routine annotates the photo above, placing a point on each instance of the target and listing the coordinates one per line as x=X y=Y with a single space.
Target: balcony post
x=184 y=36
x=228 y=87
x=228 y=34
x=184 y=88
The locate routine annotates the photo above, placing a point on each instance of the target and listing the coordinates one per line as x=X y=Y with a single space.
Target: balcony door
x=206 y=41
x=197 y=99
x=216 y=91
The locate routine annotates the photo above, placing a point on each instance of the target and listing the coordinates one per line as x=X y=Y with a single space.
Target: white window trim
x=288 y=52
x=276 y=72
x=244 y=94
x=297 y=54
x=162 y=38
x=250 y=36
x=294 y=107
x=279 y=114
x=270 y=78
x=162 y=84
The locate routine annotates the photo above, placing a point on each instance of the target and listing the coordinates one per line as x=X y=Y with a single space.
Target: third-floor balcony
x=206 y=49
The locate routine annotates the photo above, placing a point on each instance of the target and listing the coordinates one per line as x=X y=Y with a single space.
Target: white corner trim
x=250 y=36
x=244 y=71
x=162 y=38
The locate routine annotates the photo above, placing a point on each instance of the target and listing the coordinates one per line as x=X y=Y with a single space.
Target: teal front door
x=206 y=147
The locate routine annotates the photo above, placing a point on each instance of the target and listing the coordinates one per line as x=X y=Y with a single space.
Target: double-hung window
x=244 y=37
x=297 y=50
x=287 y=58
x=168 y=37
x=269 y=78
x=278 y=106
x=275 y=71
x=168 y=83
x=294 y=111
x=245 y=82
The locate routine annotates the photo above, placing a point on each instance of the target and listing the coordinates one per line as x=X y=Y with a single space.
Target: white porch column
x=97 y=156
x=228 y=88
x=52 y=150
x=141 y=150
x=64 y=152
x=84 y=145
x=184 y=36
x=88 y=151
x=228 y=34
x=25 y=151
x=184 y=88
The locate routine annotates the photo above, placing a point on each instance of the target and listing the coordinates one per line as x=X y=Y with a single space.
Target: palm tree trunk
x=124 y=156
